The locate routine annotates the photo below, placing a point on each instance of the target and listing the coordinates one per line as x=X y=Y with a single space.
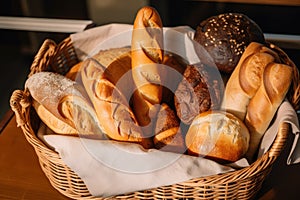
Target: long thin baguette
x=147 y=53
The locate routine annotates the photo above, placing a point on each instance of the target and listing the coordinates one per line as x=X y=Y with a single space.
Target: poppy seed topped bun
x=226 y=36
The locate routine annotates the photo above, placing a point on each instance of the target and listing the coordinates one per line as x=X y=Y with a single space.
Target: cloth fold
x=106 y=172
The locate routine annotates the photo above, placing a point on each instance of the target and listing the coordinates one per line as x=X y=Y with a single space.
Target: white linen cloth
x=112 y=168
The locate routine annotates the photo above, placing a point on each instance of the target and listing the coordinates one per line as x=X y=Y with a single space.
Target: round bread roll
x=226 y=36
x=219 y=136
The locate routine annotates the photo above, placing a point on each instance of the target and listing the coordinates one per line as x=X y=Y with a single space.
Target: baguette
x=262 y=107
x=246 y=78
x=147 y=53
x=114 y=114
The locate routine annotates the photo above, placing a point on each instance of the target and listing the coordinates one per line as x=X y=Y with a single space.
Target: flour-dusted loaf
x=66 y=100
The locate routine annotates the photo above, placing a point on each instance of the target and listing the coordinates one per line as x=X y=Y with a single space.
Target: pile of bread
x=220 y=112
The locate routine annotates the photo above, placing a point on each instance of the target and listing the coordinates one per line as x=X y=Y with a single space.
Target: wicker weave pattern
x=240 y=184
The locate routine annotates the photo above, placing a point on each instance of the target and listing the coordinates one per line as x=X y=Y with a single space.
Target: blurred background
x=18 y=47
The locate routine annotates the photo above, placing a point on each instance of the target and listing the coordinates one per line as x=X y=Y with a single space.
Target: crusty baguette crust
x=246 y=78
x=262 y=107
x=147 y=53
x=114 y=114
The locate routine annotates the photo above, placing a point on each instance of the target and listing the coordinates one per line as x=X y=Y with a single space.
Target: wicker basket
x=239 y=184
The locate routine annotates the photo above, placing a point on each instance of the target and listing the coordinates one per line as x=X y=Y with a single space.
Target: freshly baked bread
x=168 y=135
x=262 y=107
x=66 y=101
x=55 y=124
x=246 y=78
x=226 y=36
x=217 y=135
x=200 y=90
x=147 y=55
x=112 y=108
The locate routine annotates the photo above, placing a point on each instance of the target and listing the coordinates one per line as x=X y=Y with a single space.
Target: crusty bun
x=200 y=90
x=226 y=36
x=168 y=136
x=66 y=101
x=114 y=114
x=219 y=136
x=246 y=78
x=147 y=54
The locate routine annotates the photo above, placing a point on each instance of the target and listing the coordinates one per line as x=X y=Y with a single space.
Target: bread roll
x=114 y=114
x=246 y=78
x=168 y=135
x=226 y=36
x=147 y=54
x=200 y=90
x=219 y=136
x=262 y=107
x=54 y=91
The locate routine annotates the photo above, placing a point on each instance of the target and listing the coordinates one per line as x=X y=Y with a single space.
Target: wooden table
x=20 y=174
x=22 y=178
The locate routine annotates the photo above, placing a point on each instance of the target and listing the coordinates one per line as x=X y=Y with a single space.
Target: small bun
x=219 y=136
x=226 y=36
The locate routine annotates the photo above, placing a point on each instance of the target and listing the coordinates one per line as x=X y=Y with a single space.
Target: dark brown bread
x=226 y=36
x=201 y=90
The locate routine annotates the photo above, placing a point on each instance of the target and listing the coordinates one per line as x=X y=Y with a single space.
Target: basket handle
x=19 y=102
x=44 y=57
x=280 y=140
